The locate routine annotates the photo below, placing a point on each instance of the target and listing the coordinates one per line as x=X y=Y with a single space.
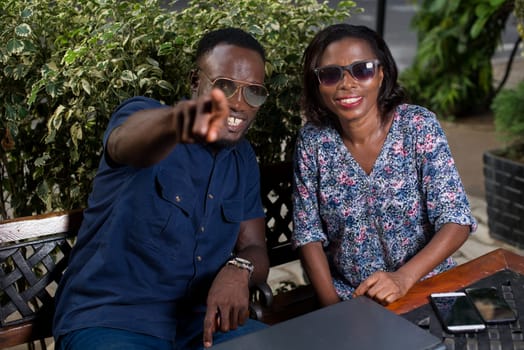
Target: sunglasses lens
x=363 y=70
x=329 y=75
x=227 y=86
x=255 y=95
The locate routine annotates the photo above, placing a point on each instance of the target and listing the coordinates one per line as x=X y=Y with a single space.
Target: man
x=174 y=231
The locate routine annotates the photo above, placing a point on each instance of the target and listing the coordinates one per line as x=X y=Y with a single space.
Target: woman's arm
x=386 y=287
x=308 y=234
x=316 y=265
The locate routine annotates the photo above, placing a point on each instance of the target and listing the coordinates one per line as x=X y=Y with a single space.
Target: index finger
x=219 y=114
x=210 y=325
x=366 y=285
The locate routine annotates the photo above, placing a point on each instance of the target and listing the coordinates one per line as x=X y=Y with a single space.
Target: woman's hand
x=385 y=287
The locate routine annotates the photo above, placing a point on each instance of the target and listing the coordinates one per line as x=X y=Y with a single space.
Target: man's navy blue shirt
x=153 y=237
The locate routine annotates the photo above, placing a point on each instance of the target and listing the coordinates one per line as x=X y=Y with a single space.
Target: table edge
x=459 y=277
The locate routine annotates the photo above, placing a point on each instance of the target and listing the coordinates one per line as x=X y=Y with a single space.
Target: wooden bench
x=276 y=189
x=34 y=252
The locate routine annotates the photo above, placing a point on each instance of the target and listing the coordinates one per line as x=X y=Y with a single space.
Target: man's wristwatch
x=242 y=264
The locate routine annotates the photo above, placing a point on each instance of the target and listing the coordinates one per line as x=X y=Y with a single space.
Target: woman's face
x=350 y=99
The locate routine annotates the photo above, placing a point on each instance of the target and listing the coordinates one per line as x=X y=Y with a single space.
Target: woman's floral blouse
x=377 y=221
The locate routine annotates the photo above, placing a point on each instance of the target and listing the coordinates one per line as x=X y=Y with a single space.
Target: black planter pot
x=504 y=184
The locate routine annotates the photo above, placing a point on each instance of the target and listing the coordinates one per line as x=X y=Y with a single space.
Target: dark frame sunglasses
x=332 y=74
x=254 y=94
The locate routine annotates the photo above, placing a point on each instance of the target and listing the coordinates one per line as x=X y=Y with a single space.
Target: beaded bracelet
x=242 y=264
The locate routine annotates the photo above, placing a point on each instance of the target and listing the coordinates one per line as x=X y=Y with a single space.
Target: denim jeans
x=189 y=337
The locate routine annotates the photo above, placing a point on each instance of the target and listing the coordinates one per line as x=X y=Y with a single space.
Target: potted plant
x=504 y=169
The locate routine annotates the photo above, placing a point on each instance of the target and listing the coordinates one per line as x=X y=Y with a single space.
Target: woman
x=378 y=201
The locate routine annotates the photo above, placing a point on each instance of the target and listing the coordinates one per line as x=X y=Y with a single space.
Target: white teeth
x=350 y=100
x=232 y=121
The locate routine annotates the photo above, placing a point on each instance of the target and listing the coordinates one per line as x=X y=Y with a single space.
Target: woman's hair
x=391 y=93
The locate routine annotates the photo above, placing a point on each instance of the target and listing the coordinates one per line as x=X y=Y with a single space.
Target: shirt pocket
x=177 y=191
x=165 y=217
x=233 y=210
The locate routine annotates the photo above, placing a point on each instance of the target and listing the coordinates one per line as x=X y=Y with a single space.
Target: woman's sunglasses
x=361 y=71
x=254 y=94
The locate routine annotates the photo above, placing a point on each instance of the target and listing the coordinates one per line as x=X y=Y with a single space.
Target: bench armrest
x=261 y=297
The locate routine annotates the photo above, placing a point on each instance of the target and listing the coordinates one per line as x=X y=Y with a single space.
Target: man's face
x=244 y=67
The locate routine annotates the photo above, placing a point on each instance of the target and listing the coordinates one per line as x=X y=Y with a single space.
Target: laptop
x=359 y=323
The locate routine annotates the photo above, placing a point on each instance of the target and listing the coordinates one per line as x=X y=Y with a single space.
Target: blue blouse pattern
x=378 y=221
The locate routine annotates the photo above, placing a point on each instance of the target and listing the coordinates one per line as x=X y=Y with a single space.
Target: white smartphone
x=456 y=312
x=491 y=305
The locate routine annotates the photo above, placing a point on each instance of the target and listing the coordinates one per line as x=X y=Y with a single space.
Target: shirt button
x=202 y=228
x=199 y=258
x=178 y=199
x=210 y=196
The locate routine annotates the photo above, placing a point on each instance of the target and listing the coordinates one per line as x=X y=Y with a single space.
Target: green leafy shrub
x=67 y=64
x=508 y=108
x=519 y=14
x=452 y=72
x=508 y=112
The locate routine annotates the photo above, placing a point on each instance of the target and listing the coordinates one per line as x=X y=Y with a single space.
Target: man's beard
x=223 y=143
x=227 y=142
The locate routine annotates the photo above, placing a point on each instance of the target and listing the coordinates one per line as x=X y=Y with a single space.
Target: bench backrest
x=34 y=252
x=267 y=306
x=276 y=190
x=33 y=255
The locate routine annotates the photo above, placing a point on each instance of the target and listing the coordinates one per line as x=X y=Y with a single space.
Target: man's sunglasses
x=361 y=71
x=254 y=94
